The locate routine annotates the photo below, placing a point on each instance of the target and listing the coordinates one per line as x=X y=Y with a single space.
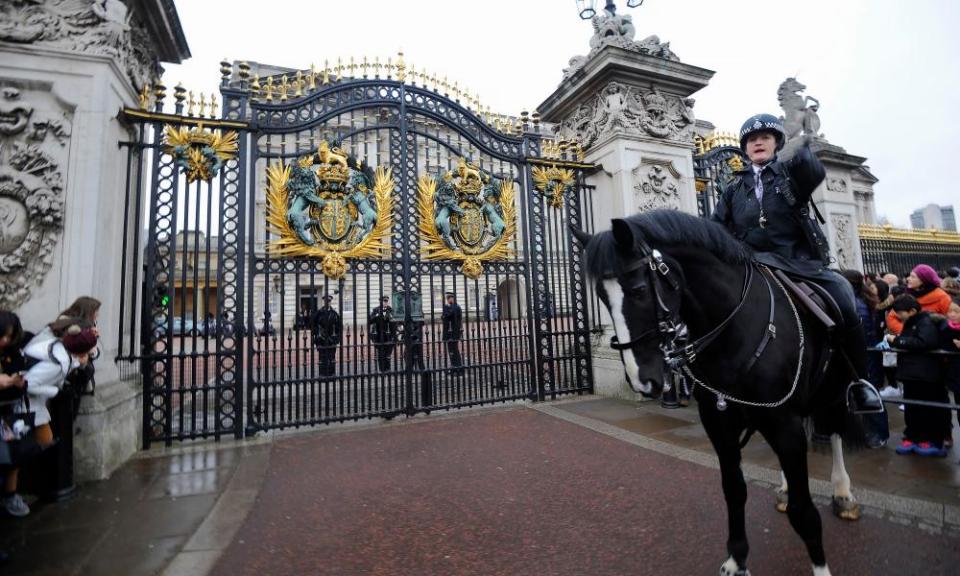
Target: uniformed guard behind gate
x=358 y=241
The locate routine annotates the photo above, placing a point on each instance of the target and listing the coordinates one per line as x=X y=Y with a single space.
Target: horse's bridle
x=672 y=331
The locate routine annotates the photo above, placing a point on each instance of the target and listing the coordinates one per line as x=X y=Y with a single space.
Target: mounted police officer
x=383 y=332
x=327 y=333
x=453 y=331
x=766 y=205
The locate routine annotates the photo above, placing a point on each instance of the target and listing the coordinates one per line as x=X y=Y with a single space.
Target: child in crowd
x=922 y=376
x=950 y=341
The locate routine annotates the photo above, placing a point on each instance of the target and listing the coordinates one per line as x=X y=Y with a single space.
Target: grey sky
x=884 y=70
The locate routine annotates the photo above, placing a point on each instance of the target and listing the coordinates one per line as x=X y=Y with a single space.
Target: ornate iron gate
x=716 y=158
x=275 y=229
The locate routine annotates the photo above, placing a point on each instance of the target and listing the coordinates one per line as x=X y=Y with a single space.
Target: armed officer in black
x=453 y=331
x=766 y=205
x=383 y=332
x=327 y=334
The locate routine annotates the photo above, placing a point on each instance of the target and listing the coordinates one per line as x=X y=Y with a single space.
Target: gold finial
x=244 y=71
x=363 y=66
x=456 y=91
x=401 y=67
x=203 y=105
x=284 y=86
x=144 y=97
x=312 y=78
x=376 y=66
x=352 y=67
x=412 y=74
x=191 y=103
x=325 y=79
x=298 y=83
x=445 y=86
x=255 y=88
x=268 y=89
x=339 y=70
x=389 y=67
x=213 y=105
x=159 y=93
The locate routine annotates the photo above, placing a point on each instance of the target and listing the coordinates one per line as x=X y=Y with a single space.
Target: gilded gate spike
x=283 y=87
x=376 y=66
x=213 y=105
x=203 y=105
x=363 y=66
x=401 y=67
x=312 y=78
x=389 y=67
x=191 y=103
x=268 y=89
x=339 y=70
x=352 y=67
x=299 y=85
x=144 y=97
x=255 y=88
x=326 y=73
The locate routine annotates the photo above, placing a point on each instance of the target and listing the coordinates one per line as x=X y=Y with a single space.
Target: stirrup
x=868 y=401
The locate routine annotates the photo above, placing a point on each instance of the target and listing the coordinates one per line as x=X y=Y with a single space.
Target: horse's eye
x=637 y=290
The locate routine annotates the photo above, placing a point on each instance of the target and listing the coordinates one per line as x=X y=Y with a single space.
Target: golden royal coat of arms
x=554 y=183
x=328 y=205
x=467 y=215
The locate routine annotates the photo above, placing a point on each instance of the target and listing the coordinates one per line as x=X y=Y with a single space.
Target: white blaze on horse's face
x=615 y=306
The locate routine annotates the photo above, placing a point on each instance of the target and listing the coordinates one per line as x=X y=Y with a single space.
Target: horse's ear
x=622 y=233
x=579 y=234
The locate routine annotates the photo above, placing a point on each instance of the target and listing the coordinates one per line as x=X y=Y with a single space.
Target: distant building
x=934 y=216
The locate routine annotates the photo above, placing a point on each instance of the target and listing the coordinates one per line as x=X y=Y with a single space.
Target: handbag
x=889 y=359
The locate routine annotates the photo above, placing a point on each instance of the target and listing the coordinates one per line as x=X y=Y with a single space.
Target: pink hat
x=927 y=275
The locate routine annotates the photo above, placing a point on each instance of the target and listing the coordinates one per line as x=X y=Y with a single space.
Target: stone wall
x=67 y=67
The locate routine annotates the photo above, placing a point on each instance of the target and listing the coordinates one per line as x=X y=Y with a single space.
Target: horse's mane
x=662 y=229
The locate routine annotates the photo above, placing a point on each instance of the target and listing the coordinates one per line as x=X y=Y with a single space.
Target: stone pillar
x=628 y=104
x=66 y=70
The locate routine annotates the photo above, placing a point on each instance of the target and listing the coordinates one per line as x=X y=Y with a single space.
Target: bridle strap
x=770 y=332
x=698 y=345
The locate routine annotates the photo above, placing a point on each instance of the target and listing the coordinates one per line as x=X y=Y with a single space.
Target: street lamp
x=587 y=8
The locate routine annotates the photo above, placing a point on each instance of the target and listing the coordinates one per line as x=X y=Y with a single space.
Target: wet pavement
x=590 y=486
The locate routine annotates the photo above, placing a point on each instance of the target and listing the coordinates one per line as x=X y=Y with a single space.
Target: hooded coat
x=45 y=378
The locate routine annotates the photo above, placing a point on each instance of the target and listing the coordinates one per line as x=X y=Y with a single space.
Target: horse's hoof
x=845 y=508
x=731 y=568
x=782 y=499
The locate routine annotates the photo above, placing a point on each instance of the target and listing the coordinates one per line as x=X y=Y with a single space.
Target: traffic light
x=161 y=295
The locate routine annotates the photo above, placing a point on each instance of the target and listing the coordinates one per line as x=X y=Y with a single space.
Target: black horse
x=682 y=292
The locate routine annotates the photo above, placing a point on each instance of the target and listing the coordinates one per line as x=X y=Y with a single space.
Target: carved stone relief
x=837 y=185
x=656 y=185
x=104 y=27
x=33 y=147
x=617 y=30
x=633 y=111
x=843 y=241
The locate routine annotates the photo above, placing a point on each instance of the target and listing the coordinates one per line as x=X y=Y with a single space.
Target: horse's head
x=642 y=294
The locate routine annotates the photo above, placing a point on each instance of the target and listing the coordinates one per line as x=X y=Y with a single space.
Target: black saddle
x=812 y=298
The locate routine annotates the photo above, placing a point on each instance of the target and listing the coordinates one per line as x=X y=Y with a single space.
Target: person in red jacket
x=924 y=285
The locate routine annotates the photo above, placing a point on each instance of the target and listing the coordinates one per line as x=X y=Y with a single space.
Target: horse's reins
x=673 y=332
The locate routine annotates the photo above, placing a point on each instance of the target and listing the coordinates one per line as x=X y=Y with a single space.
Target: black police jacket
x=382 y=327
x=452 y=322
x=327 y=327
x=787 y=229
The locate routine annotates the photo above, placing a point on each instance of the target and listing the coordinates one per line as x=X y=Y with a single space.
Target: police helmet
x=762 y=123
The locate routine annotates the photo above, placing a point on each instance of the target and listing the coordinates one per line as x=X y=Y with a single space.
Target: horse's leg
x=782 y=493
x=844 y=506
x=790 y=443
x=726 y=444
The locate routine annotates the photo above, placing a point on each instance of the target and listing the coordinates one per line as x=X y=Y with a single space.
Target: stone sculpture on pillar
x=800 y=112
x=617 y=30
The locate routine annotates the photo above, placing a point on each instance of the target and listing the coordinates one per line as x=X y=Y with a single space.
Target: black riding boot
x=862 y=397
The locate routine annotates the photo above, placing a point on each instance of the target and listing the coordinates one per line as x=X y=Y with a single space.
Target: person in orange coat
x=924 y=285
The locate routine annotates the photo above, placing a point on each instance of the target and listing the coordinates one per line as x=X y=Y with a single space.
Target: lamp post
x=587 y=8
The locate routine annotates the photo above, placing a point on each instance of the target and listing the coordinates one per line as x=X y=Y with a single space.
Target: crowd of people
x=34 y=369
x=913 y=321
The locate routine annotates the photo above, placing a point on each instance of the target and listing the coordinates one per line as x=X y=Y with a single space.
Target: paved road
x=517 y=492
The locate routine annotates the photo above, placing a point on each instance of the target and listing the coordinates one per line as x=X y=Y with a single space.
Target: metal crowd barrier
x=945 y=353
